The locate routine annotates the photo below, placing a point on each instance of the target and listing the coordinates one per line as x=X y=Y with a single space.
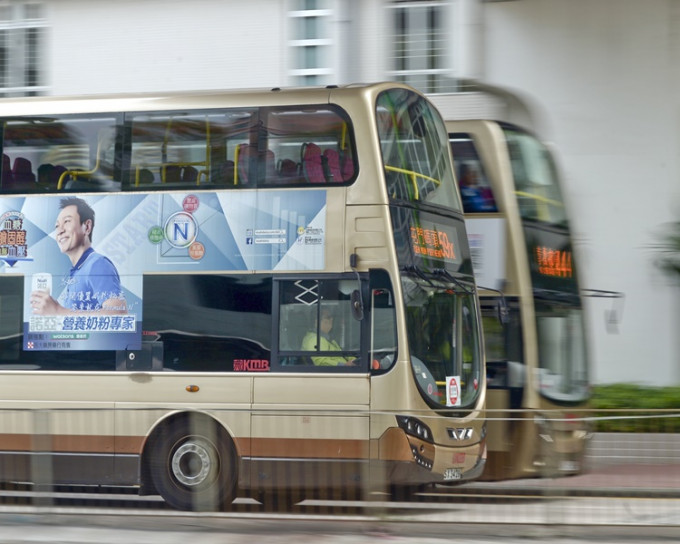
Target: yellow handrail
x=236 y=154
x=413 y=176
x=76 y=173
x=541 y=208
x=543 y=199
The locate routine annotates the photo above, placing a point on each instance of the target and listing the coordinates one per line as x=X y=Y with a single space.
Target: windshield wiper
x=447 y=275
x=418 y=273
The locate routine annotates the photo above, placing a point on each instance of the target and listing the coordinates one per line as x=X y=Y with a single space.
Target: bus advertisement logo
x=181 y=230
x=251 y=365
x=13 y=245
x=310 y=236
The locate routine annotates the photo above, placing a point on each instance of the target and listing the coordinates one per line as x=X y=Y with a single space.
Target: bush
x=636 y=408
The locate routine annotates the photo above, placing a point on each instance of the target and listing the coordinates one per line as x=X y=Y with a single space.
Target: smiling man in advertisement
x=93 y=283
x=82 y=306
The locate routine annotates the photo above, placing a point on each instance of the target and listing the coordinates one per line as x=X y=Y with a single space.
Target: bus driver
x=326 y=343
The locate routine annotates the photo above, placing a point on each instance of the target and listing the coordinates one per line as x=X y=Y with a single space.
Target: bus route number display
x=553 y=262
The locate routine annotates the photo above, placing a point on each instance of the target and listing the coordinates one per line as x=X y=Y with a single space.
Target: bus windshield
x=415 y=153
x=536 y=181
x=563 y=369
x=444 y=342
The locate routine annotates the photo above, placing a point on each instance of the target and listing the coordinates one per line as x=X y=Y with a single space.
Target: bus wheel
x=405 y=492
x=193 y=466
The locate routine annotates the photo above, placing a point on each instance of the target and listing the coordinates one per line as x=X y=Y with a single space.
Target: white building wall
x=605 y=76
x=132 y=45
x=373 y=32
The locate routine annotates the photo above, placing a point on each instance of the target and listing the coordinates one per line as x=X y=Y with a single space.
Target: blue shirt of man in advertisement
x=93 y=283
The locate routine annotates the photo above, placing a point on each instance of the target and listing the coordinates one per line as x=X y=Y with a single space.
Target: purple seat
x=312 y=163
x=7 y=177
x=333 y=160
x=347 y=166
x=246 y=155
x=189 y=174
x=226 y=173
x=22 y=171
x=252 y=162
x=173 y=174
x=288 y=170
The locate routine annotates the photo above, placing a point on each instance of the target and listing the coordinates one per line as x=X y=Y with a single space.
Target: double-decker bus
x=278 y=294
x=537 y=356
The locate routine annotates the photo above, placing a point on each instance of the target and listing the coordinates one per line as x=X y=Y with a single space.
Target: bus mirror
x=503 y=313
x=357 y=305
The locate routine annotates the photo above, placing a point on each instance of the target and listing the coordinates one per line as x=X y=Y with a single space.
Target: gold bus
x=537 y=356
x=278 y=294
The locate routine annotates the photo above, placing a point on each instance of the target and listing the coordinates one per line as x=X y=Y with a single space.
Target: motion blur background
x=597 y=79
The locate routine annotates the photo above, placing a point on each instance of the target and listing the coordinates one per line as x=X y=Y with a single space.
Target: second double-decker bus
x=211 y=294
x=537 y=356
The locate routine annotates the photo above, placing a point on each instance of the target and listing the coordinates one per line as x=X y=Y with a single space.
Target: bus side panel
x=67 y=437
x=309 y=431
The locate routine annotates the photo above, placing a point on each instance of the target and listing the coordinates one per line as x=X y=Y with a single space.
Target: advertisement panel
x=83 y=258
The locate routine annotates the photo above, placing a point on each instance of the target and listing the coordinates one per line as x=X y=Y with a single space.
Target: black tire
x=193 y=465
x=405 y=492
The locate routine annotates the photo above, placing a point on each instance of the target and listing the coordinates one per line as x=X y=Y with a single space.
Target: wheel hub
x=191 y=463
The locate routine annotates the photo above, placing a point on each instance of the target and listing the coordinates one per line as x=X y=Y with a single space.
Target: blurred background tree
x=669 y=250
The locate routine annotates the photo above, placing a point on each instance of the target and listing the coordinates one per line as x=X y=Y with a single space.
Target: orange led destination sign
x=553 y=262
x=432 y=243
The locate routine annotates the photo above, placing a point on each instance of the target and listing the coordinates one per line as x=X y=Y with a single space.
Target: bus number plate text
x=451 y=474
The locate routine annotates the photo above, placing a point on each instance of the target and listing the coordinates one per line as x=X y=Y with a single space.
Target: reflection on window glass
x=443 y=340
x=475 y=189
x=563 y=373
x=60 y=154
x=383 y=323
x=415 y=158
x=504 y=348
x=242 y=148
x=211 y=323
x=536 y=178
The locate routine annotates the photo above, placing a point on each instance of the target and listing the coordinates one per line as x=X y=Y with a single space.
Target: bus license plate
x=569 y=466
x=452 y=474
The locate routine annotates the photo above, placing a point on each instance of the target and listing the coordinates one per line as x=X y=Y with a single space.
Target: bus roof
x=152 y=101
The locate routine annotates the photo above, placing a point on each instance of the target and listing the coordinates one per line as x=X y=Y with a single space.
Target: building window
x=23 y=37
x=311 y=42
x=419 y=45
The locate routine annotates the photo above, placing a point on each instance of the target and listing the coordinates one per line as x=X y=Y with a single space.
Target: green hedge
x=636 y=408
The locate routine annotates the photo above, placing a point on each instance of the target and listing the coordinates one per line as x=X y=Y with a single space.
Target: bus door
x=310 y=413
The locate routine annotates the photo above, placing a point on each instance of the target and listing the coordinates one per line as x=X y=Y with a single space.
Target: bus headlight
x=414 y=427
